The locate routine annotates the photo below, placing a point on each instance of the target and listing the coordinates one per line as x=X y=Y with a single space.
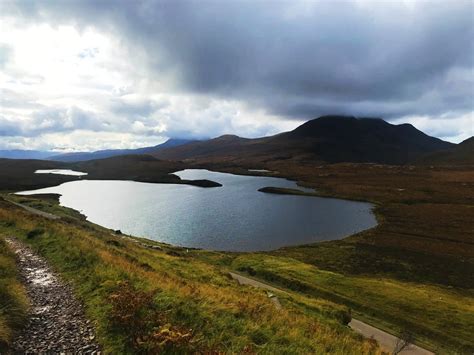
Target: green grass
x=13 y=301
x=170 y=300
x=412 y=272
x=440 y=318
x=47 y=203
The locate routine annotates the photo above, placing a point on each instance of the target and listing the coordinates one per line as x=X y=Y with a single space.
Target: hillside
x=461 y=154
x=18 y=174
x=145 y=297
x=108 y=153
x=330 y=139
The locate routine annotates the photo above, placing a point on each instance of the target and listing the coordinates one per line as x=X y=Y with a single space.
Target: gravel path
x=57 y=323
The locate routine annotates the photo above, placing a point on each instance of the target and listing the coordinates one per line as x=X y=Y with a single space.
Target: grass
x=423 y=243
x=413 y=271
x=440 y=318
x=13 y=300
x=170 y=300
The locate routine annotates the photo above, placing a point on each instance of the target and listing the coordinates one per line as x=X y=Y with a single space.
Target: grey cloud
x=142 y=108
x=9 y=128
x=49 y=120
x=297 y=60
x=5 y=53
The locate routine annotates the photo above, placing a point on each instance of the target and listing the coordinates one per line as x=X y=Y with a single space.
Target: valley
x=411 y=274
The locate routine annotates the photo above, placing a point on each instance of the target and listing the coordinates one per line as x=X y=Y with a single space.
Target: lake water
x=234 y=217
x=60 y=172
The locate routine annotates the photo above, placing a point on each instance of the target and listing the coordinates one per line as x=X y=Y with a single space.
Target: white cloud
x=450 y=127
x=75 y=75
x=79 y=90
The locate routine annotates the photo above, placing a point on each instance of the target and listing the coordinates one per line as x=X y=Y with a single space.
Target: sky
x=88 y=75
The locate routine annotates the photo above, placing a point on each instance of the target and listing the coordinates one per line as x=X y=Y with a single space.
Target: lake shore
x=411 y=272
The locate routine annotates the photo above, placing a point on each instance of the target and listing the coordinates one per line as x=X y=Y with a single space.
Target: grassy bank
x=167 y=299
x=13 y=301
x=440 y=318
x=413 y=272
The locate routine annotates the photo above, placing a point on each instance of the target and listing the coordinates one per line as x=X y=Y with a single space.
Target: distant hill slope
x=461 y=154
x=24 y=154
x=108 y=153
x=329 y=139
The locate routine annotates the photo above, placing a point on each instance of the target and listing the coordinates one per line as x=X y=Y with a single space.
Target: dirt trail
x=386 y=340
x=35 y=211
x=57 y=323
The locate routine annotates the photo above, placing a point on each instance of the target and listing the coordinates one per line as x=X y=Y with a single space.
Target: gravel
x=57 y=324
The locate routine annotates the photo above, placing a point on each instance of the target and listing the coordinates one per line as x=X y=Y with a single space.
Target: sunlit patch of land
x=147 y=296
x=413 y=272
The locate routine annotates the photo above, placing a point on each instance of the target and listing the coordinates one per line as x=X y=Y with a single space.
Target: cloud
x=51 y=120
x=196 y=68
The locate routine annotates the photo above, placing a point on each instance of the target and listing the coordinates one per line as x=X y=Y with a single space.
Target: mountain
x=330 y=139
x=108 y=153
x=460 y=154
x=24 y=154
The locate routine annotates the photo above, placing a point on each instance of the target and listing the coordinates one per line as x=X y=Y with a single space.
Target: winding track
x=34 y=210
x=386 y=340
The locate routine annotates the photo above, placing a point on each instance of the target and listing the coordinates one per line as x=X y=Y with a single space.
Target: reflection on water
x=234 y=217
x=60 y=172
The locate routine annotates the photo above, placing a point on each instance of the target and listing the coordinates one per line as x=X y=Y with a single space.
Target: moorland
x=412 y=273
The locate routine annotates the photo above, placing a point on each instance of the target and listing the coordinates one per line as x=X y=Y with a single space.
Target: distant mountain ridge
x=83 y=156
x=25 y=154
x=108 y=153
x=329 y=139
x=460 y=154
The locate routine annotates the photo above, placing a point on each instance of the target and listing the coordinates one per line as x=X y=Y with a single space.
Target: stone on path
x=57 y=323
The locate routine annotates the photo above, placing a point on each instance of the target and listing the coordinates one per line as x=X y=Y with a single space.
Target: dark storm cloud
x=297 y=59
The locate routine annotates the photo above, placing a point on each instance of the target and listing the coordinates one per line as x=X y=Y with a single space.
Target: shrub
x=136 y=317
x=35 y=233
x=248 y=269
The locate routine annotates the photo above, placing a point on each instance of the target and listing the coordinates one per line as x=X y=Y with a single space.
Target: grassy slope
x=144 y=299
x=439 y=317
x=421 y=251
x=13 y=301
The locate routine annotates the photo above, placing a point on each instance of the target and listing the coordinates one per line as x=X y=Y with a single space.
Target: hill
x=330 y=139
x=19 y=174
x=461 y=154
x=108 y=153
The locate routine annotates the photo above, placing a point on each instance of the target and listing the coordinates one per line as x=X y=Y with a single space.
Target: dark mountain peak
x=334 y=125
x=457 y=154
x=332 y=139
x=173 y=142
x=228 y=137
x=467 y=142
x=332 y=118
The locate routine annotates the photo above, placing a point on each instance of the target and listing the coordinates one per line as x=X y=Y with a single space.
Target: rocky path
x=57 y=323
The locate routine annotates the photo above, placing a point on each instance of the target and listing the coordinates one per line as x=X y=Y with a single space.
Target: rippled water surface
x=234 y=217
